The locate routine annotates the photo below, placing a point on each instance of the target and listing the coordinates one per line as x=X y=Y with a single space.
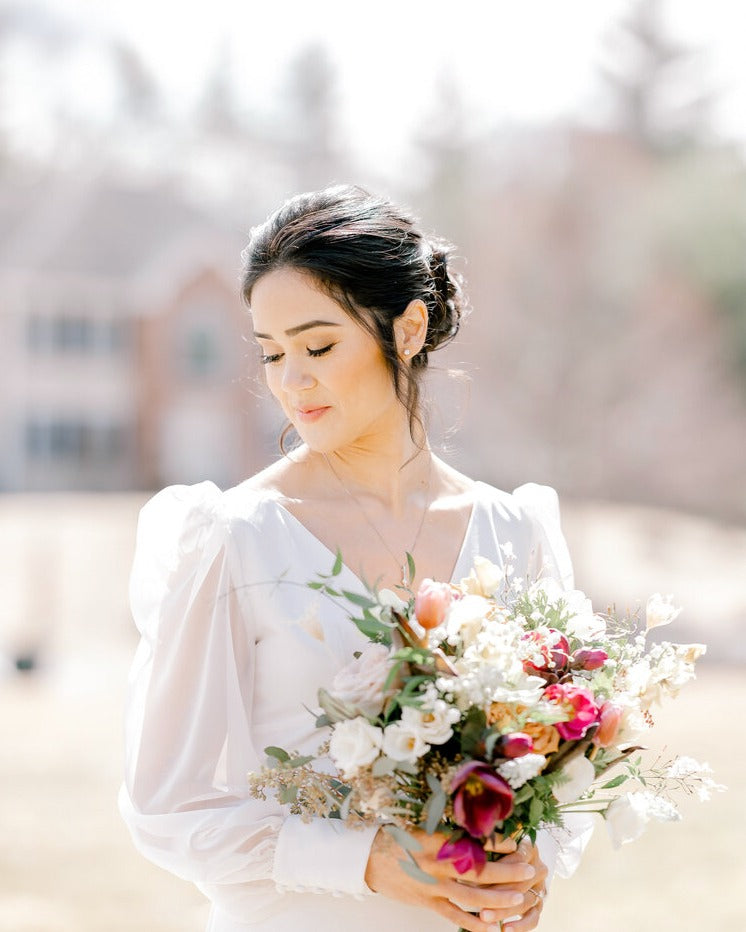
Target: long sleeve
x=188 y=724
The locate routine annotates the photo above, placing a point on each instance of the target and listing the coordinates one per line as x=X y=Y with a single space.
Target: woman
x=348 y=300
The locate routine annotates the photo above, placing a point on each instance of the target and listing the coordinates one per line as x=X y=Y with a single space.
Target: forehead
x=287 y=298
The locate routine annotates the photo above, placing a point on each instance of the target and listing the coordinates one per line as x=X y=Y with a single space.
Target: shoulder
x=529 y=502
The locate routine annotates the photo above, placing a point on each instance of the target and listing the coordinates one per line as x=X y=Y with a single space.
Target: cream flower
x=660 y=611
x=628 y=815
x=580 y=772
x=432 y=722
x=402 y=742
x=360 y=683
x=354 y=743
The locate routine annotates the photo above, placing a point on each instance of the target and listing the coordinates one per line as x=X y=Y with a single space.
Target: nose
x=295 y=374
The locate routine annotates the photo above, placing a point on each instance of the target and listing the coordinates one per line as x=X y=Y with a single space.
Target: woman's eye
x=267 y=360
x=320 y=352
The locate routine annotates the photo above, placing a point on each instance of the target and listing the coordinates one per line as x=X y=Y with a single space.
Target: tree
x=654 y=83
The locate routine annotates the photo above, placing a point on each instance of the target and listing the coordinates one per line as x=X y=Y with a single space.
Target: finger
x=502 y=898
x=528 y=921
x=500 y=844
x=462 y=919
x=507 y=870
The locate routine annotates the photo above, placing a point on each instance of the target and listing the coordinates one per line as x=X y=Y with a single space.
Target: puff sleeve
x=188 y=723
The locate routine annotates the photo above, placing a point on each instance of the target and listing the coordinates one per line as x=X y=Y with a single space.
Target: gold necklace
x=403 y=567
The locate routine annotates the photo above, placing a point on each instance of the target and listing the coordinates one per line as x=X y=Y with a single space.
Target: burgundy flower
x=579 y=704
x=467 y=855
x=431 y=603
x=515 y=744
x=481 y=799
x=590 y=658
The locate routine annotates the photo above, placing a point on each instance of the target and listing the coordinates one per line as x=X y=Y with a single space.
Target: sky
x=525 y=62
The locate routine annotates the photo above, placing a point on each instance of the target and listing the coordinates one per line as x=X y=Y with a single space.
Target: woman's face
x=327 y=372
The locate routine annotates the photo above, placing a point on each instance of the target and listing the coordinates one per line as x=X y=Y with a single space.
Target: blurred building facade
x=125 y=363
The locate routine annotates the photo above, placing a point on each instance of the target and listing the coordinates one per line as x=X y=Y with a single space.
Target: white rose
x=488 y=575
x=628 y=815
x=354 y=743
x=403 y=743
x=581 y=774
x=660 y=611
x=466 y=618
x=432 y=723
x=360 y=684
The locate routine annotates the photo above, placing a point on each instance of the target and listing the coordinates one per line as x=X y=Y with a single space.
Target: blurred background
x=587 y=158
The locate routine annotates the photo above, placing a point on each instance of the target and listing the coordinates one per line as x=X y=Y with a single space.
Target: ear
x=410 y=328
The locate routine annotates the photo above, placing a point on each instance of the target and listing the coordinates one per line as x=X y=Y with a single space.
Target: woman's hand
x=510 y=888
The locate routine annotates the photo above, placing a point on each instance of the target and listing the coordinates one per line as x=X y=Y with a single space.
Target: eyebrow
x=294 y=331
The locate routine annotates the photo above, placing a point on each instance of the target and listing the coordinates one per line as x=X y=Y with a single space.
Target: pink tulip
x=481 y=799
x=431 y=603
x=579 y=704
x=610 y=717
x=515 y=744
x=467 y=854
x=590 y=658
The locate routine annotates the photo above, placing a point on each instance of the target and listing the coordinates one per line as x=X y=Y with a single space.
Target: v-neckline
x=456 y=573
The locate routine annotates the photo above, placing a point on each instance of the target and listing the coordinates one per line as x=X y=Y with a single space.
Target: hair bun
x=447 y=304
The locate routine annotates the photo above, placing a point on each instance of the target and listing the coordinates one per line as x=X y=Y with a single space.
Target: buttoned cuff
x=322 y=856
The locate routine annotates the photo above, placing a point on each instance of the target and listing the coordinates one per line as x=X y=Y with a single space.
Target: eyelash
x=275 y=357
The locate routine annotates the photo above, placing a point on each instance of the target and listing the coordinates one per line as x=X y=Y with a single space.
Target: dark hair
x=367 y=254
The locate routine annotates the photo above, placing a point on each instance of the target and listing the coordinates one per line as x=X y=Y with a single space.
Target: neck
x=392 y=474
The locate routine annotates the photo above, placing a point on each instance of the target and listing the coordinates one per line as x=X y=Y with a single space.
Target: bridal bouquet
x=494 y=705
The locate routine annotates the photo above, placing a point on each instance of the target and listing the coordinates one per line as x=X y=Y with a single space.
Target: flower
x=660 y=611
x=609 y=719
x=577 y=702
x=432 y=722
x=466 y=854
x=481 y=799
x=545 y=737
x=548 y=650
x=360 y=684
x=590 y=658
x=431 y=603
x=628 y=815
x=522 y=769
x=402 y=742
x=515 y=744
x=580 y=773
x=354 y=743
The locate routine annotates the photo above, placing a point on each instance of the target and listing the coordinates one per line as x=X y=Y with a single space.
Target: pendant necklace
x=403 y=567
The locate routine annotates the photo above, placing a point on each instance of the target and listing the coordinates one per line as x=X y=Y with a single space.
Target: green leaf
x=337 y=568
x=536 y=810
x=299 y=761
x=383 y=766
x=415 y=871
x=617 y=781
x=364 y=601
x=288 y=794
x=402 y=838
x=525 y=792
x=278 y=753
x=410 y=566
x=434 y=808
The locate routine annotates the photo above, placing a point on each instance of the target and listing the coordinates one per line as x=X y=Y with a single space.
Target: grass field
x=67 y=864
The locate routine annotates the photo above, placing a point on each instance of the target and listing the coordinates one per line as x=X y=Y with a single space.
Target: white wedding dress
x=234 y=647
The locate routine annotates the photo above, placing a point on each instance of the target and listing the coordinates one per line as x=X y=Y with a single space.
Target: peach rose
x=545 y=737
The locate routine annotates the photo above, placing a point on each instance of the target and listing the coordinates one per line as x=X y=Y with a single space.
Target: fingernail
x=526 y=872
x=515 y=899
x=487 y=916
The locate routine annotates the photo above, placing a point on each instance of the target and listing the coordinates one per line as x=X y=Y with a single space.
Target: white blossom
x=432 y=722
x=580 y=773
x=628 y=815
x=402 y=742
x=660 y=611
x=354 y=743
x=521 y=769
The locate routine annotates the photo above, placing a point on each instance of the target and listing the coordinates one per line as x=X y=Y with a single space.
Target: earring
x=407 y=352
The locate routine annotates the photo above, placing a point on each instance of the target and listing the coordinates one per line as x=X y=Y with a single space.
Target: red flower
x=579 y=704
x=466 y=854
x=431 y=603
x=550 y=651
x=482 y=798
x=590 y=658
x=515 y=744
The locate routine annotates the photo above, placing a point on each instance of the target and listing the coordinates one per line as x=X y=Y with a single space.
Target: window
x=74 y=441
x=76 y=334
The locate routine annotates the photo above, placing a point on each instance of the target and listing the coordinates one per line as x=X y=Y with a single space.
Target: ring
x=539 y=896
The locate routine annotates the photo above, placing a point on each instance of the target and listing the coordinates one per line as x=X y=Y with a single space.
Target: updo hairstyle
x=368 y=255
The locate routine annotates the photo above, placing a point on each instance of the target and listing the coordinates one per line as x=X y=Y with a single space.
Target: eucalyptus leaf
x=402 y=838
x=617 y=781
x=288 y=794
x=383 y=766
x=415 y=871
x=278 y=753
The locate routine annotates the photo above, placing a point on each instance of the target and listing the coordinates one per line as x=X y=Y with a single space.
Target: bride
x=348 y=300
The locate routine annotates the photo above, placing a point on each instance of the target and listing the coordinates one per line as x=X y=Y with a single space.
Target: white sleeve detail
x=299 y=867
x=552 y=556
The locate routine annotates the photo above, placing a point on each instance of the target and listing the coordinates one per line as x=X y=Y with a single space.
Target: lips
x=309 y=415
